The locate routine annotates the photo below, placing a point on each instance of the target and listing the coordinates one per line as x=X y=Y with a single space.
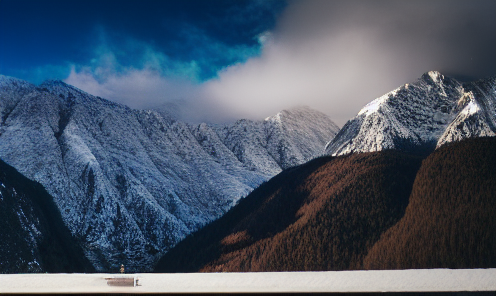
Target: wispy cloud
x=137 y=74
x=146 y=79
x=137 y=88
x=39 y=74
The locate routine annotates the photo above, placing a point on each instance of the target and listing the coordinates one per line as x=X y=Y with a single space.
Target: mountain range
x=131 y=184
x=407 y=183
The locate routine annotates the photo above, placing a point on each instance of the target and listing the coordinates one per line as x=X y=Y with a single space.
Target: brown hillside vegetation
x=323 y=215
x=451 y=219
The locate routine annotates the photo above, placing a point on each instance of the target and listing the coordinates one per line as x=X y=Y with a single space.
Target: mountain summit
x=421 y=116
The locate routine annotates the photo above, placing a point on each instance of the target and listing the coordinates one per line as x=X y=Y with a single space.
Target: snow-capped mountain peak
x=420 y=116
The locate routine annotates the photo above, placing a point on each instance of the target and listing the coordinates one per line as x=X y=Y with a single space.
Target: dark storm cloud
x=448 y=34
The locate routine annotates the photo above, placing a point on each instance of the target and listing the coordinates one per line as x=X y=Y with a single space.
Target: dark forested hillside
x=450 y=221
x=33 y=237
x=323 y=215
x=351 y=212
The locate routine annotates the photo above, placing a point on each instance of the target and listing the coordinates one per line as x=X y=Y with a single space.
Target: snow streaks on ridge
x=132 y=183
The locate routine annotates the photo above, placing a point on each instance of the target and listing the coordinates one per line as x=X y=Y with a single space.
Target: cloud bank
x=334 y=56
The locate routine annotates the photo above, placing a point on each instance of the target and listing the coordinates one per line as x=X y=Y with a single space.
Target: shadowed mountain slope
x=33 y=237
x=450 y=221
x=323 y=215
x=350 y=212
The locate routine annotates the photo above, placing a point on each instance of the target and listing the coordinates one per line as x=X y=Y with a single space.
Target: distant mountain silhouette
x=33 y=237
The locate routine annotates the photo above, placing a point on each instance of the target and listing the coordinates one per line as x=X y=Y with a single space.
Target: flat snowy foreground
x=423 y=280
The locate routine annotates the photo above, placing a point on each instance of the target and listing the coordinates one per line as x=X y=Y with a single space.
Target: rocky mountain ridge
x=421 y=116
x=130 y=183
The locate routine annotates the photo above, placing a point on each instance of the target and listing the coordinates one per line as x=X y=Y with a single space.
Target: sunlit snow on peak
x=435 y=75
x=376 y=104
x=275 y=118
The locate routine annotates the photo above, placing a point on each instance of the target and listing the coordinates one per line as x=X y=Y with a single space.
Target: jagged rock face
x=420 y=116
x=477 y=115
x=286 y=139
x=130 y=184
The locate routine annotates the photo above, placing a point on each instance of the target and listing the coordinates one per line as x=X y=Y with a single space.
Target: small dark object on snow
x=128 y=281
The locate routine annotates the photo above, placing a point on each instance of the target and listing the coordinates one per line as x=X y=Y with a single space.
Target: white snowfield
x=420 y=280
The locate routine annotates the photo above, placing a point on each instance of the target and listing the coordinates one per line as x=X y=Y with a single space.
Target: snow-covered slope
x=293 y=139
x=420 y=116
x=131 y=183
x=286 y=139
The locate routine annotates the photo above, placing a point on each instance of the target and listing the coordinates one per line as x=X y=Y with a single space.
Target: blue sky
x=44 y=39
x=221 y=60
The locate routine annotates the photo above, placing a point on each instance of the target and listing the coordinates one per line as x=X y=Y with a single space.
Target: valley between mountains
x=407 y=183
x=371 y=210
